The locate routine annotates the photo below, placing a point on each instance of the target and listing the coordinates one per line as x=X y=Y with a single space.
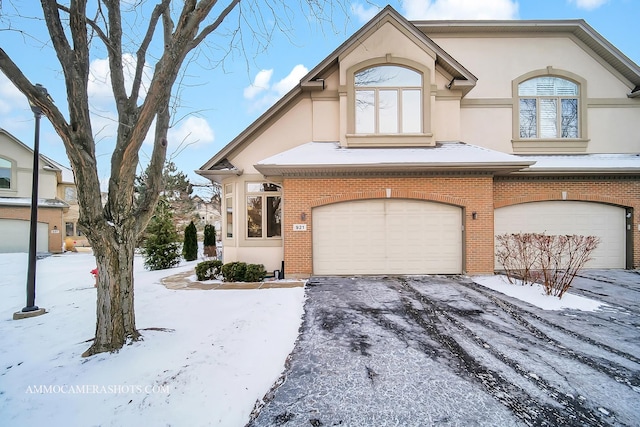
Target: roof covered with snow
x=26 y=201
x=328 y=157
x=584 y=163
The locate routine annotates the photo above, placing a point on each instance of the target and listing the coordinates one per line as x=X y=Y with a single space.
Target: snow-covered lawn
x=205 y=359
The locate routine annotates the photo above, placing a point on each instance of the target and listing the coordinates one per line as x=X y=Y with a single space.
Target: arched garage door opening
x=387 y=236
x=568 y=217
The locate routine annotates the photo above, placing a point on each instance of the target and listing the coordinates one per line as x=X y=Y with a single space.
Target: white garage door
x=568 y=217
x=15 y=236
x=387 y=236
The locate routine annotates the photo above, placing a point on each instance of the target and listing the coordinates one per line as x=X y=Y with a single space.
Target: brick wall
x=51 y=216
x=480 y=194
x=472 y=193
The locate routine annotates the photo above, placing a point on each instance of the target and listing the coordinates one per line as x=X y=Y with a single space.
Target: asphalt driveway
x=421 y=351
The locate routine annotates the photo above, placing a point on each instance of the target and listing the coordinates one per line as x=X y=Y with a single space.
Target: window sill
x=560 y=145
x=390 y=140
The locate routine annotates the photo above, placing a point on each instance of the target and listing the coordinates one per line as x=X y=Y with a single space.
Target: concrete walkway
x=182 y=281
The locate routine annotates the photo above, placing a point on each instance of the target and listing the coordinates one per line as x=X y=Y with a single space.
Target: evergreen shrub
x=209 y=270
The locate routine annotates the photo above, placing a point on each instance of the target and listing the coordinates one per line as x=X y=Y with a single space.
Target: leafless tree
x=182 y=26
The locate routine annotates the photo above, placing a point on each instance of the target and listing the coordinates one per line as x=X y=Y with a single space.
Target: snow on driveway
x=436 y=350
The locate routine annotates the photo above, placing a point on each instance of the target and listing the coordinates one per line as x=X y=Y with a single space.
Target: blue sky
x=217 y=103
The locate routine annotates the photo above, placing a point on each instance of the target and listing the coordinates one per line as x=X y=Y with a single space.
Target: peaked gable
x=462 y=79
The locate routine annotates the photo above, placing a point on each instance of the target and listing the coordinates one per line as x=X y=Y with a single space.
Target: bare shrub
x=517 y=255
x=553 y=260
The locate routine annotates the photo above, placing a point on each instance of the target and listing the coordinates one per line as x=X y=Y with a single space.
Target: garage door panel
x=15 y=236
x=569 y=217
x=387 y=236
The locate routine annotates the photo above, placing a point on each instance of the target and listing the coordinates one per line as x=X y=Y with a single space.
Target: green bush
x=209 y=235
x=190 y=247
x=209 y=270
x=234 y=271
x=243 y=272
x=255 y=273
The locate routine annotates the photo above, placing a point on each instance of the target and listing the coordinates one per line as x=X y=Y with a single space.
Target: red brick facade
x=473 y=193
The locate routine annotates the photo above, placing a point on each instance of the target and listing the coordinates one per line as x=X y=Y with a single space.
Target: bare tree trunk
x=115 y=314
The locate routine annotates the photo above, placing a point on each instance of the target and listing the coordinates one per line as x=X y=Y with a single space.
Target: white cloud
x=589 y=4
x=269 y=94
x=99 y=87
x=363 y=13
x=460 y=9
x=294 y=77
x=260 y=84
x=194 y=131
x=10 y=96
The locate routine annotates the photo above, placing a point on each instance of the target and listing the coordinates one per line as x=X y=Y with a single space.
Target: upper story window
x=5 y=174
x=264 y=210
x=388 y=100
x=70 y=195
x=549 y=108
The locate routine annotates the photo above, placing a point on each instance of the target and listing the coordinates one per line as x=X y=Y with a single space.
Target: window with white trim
x=549 y=108
x=228 y=204
x=264 y=212
x=388 y=100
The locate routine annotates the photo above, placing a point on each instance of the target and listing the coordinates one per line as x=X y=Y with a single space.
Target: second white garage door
x=387 y=236
x=569 y=217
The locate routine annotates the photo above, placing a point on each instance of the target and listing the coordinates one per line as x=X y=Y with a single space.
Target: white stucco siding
x=292 y=129
x=622 y=138
x=497 y=61
x=388 y=39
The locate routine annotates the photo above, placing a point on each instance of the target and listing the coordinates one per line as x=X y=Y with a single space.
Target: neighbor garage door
x=15 y=236
x=568 y=217
x=387 y=236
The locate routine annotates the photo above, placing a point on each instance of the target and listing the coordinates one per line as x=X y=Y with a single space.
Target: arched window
x=388 y=100
x=5 y=174
x=549 y=108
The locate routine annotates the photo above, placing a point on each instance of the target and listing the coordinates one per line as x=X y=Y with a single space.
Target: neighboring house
x=208 y=212
x=414 y=143
x=16 y=172
x=67 y=191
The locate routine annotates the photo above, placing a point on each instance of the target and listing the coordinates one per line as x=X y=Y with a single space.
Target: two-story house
x=414 y=143
x=57 y=203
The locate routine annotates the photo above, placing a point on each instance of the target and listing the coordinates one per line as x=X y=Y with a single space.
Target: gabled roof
x=576 y=27
x=50 y=164
x=316 y=158
x=219 y=166
x=312 y=81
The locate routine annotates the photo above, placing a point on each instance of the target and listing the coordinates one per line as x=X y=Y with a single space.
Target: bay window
x=264 y=212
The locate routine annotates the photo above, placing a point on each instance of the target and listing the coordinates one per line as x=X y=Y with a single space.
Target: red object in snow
x=94 y=271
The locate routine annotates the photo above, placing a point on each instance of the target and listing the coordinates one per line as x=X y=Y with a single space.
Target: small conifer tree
x=190 y=248
x=161 y=248
x=209 y=240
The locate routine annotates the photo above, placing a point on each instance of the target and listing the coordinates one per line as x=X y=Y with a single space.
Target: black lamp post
x=31 y=309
